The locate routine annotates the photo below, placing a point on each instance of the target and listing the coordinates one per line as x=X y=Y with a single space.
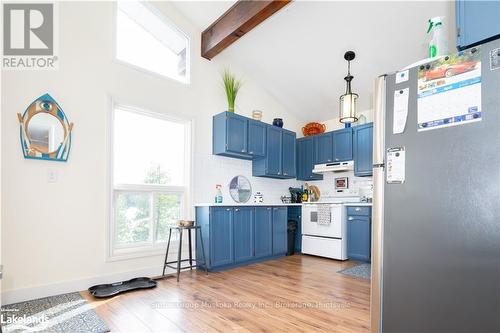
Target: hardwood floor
x=296 y=293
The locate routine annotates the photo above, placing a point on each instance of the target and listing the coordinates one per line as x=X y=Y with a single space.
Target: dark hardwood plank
x=242 y=17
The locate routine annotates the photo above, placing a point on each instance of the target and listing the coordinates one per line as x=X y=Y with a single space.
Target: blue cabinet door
x=342 y=145
x=236 y=133
x=305 y=159
x=256 y=138
x=243 y=234
x=280 y=237
x=358 y=238
x=288 y=154
x=323 y=148
x=221 y=236
x=263 y=232
x=274 y=147
x=363 y=150
x=476 y=21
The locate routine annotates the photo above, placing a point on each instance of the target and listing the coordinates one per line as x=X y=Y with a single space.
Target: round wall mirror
x=45 y=132
x=240 y=189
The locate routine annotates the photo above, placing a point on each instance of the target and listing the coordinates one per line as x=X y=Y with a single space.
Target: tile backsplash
x=327 y=185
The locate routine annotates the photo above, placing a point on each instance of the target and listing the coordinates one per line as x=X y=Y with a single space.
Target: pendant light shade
x=348 y=101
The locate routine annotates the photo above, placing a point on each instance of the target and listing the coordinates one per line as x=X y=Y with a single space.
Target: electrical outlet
x=52 y=175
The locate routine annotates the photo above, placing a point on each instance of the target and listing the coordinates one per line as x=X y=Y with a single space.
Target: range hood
x=334 y=167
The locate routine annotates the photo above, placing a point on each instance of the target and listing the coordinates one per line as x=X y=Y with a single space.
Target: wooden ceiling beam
x=242 y=17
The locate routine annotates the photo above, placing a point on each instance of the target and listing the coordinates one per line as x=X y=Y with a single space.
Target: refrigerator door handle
x=378 y=206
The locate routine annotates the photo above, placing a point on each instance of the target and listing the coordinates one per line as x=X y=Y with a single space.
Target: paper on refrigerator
x=400 y=113
x=449 y=91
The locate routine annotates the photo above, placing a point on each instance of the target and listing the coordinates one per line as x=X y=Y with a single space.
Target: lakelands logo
x=29 y=36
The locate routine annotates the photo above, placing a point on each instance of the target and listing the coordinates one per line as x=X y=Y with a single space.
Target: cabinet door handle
x=268 y=208
x=243 y=150
x=237 y=210
x=279 y=173
x=284 y=173
x=228 y=209
x=251 y=152
x=350 y=218
x=357 y=209
x=336 y=159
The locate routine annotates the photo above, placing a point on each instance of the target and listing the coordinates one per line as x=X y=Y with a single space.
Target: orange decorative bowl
x=313 y=129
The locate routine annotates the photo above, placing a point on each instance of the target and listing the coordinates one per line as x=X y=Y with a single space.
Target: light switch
x=52 y=175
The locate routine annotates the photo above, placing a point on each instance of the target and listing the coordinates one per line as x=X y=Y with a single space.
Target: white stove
x=324 y=224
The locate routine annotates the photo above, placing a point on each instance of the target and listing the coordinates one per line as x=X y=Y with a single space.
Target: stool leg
x=166 y=254
x=203 y=252
x=190 y=251
x=179 y=255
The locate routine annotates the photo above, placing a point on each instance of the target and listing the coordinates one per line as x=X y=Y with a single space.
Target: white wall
x=54 y=234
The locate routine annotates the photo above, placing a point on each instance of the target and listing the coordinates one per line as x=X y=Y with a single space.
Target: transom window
x=150 y=177
x=147 y=40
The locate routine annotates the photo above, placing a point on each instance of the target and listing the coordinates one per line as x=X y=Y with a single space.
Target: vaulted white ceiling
x=297 y=54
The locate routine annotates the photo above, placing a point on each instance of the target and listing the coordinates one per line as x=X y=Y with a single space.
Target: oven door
x=311 y=227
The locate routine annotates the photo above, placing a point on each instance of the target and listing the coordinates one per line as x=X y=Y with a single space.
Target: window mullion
x=152 y=228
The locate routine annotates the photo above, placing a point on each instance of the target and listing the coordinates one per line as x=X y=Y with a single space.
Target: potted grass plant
x=231 y=86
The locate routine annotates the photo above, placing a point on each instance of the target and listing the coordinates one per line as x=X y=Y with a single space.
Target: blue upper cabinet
x=256 y=138
x=323 y=148
x=237 y=136
x=342 y=145
x=243 y=233
x=263 y=232
x=280 y=236
x=333 y=146
x=477 y=21
x=363 y=150
x=288 y=154
x=280 y=155
x=221 y=237
x=274 y=147
x=305 y=159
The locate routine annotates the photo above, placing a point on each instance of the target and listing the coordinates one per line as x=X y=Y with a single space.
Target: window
x=144 y=38
x=150 y=178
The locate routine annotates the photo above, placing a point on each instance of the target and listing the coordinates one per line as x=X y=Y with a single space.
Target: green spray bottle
x=437 y=44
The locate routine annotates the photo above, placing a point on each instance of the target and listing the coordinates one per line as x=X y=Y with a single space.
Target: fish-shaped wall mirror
x=45 y=131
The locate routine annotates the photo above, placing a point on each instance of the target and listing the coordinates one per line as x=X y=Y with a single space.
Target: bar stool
x=178 y=262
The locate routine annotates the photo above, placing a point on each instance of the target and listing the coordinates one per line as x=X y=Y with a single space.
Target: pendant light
x=348 y=101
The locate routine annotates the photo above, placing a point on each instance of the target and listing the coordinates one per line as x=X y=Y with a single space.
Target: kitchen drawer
x=324 y=247
x=359 y=210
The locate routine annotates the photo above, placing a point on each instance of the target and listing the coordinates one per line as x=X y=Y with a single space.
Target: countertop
x=248 y=204
x=267 y=204
x=359 y=204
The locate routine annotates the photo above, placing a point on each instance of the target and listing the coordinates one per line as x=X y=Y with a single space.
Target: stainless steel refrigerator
x=436 y=214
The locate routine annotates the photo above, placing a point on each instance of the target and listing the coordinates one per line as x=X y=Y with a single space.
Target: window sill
x=144 y=252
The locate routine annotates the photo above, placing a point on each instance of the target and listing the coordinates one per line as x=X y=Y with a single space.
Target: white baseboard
x=25 y=294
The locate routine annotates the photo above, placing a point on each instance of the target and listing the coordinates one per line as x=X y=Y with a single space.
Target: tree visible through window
x=150 y=159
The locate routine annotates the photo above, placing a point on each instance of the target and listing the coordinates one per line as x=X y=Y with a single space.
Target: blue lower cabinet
x=235 y=235
x=359 y=237
x=263 y=232
x=280 y=237
x=221 y=236
x=243 y=233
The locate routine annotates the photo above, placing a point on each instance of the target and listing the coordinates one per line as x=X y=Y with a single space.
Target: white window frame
x=151 y=248
x=169 y=23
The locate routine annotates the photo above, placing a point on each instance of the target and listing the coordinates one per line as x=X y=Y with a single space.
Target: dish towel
x=324 y=215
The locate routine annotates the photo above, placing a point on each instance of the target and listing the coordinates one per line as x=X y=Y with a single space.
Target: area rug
x=362 y=271
x=61 y=313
